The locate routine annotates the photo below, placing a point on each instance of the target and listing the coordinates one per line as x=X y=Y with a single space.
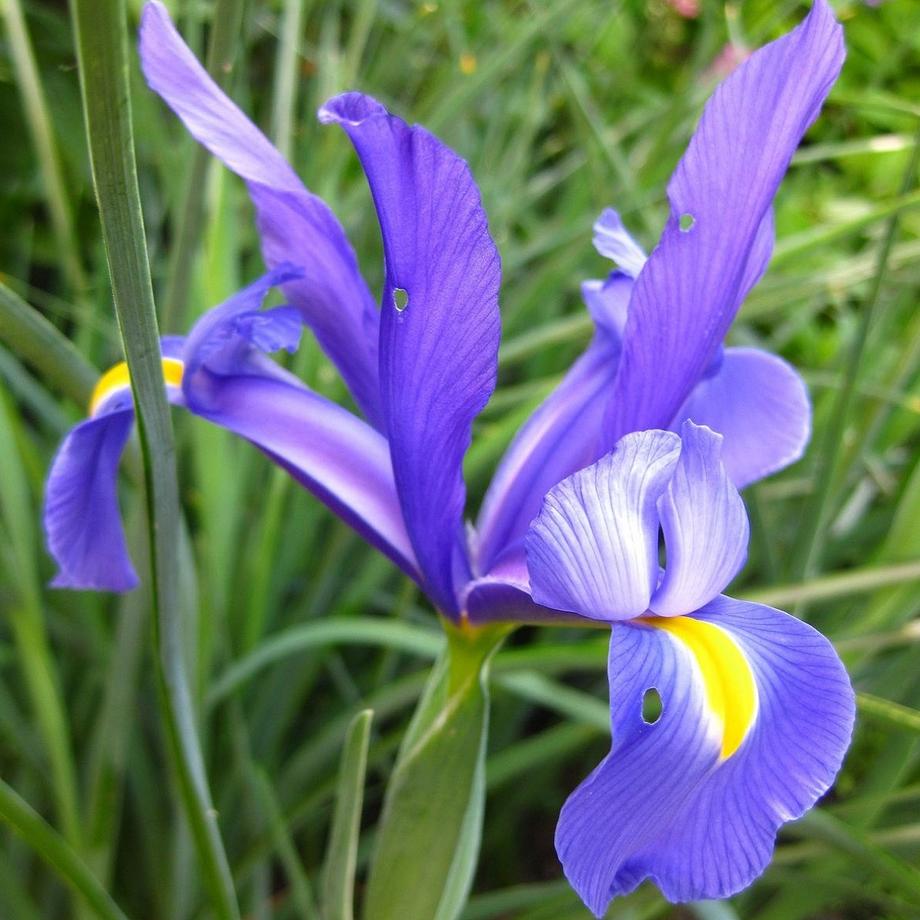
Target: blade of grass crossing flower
x=428 y=835
x=54 y=849
x=101 y=35
x=342 y=849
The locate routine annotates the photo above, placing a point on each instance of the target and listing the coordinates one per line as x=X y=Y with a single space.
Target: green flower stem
x=428 y=838
x=101 y=33
x=54 y=849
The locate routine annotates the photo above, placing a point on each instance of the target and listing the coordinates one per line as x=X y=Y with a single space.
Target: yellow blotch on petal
x=117 y=378
x=729 y=682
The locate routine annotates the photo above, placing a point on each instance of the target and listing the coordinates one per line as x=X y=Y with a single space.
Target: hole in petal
x=400 y=299
x=686 y=222
x=651 y=706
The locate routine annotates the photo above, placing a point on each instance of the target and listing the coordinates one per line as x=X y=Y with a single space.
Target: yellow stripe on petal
x=730 y=688
x=117 y=378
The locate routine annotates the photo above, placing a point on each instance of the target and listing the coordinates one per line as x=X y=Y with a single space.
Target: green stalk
x=27 y=623
x=286 y=73
x=47 y=843
x=101 y=33
x=38 y=119
x=225 y=30
x=816 y=512
x=428 y=836
x=34 y=339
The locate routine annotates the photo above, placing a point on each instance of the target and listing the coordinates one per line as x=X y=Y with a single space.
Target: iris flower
x=756 y=707
x=699 y=813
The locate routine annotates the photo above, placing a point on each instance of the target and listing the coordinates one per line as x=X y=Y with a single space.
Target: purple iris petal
x=593 y=550
x=760 y=404
x=663 y=804
x=562 y=436
x=613 y=241
x=334 y=454
x=228 y=334
x=719 y=230
x=83 y=528
x=294 y=224
x=440 y=325
x=705 y=527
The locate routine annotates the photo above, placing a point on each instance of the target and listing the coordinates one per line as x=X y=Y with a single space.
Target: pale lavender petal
x=760 y=405
x=295 y=226
x=705 y=527
x=613 y=241
x=440 y=325
x=718 y=234
x=562 y=436
x=83 y=528
x=664 y=804
x=593 y=550
x=612 y=819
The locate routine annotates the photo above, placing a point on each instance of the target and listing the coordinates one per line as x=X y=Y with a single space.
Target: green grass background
x=561 y=109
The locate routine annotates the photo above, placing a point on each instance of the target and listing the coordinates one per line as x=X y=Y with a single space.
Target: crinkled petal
x=338 y=457
x=613 y=241
x=225 y=337
x=563 y=434
x=717 y=237
x=760 y=405
x=83 y=528
x=705 y=526
x=295 y=226
x=664 y=804
x=593 y=549
x=440 y=324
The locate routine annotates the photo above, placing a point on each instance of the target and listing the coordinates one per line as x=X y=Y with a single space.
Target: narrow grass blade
x=342 y=849
x=35 y=104
x=47 y=843
x=895 y=714
x=301 y=890
x=101 y=34
x=225 y=30
x=815 y=513
x=34 y=339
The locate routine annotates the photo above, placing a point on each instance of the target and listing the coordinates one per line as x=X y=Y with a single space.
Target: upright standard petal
x=563 y=434
x=593 y=550
x=705 y=526
x=440 y=325
x=760 y=404
x=295 y=225
x=718 y=235
x=674 y=801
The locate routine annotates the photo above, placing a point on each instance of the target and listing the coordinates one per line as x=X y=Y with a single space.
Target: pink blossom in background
x=726 y=61
x=689 y=9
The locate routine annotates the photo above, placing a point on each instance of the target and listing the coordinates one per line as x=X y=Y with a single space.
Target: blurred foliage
x=561 y=108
